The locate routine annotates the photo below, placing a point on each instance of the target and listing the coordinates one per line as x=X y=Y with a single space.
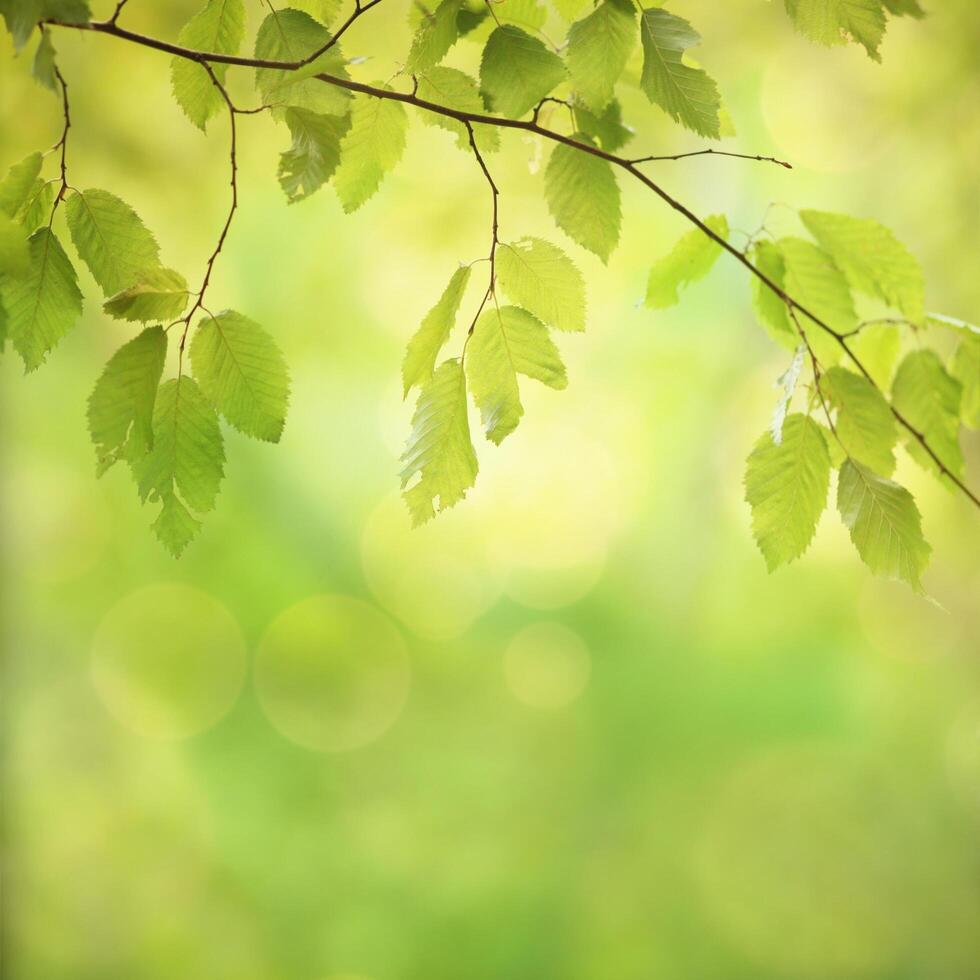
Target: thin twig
x=199 y=303
x=714 y=153
x=494 y=237
x=62 y=144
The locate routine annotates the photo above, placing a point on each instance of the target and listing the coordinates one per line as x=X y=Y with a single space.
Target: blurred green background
x=571 y=729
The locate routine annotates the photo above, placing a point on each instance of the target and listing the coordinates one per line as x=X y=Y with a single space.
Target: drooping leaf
x=904 y=8
x=688 y=95
x=22 y=16
x=242 y=371
x=966 y=370
x=161 y=294
x=833 y=22
x=865 y=424
x=293 y=36
x=814 y=280
x=122 y=402
x=517 y=71
x=17 y=185
x=325 y=11
x=877 y=347
x=439 y=457
x=770 y=307
x=14 y=254
x=370 y=150
x=598 y=48
x=875 y=262
x=111 y=240
x=187 y=459
x=43 y=305
x=528 y=15
x=218 y=27
x=508 y=341
x=37 y=209
x=884 y=524
x=606 y=128
x=787 y=381
x=583 y=198
x=310 y=162
x=43 y=68
x=691 y=259
x=541 y=278
x=437 y=33
x=456 y=90
x=429 y=339
x=929 y=400
x=786 y=486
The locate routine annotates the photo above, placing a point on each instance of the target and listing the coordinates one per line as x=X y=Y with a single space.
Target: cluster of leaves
x=507 y=71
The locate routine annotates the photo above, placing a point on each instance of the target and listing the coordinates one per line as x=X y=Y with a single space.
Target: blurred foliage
x=573 y=729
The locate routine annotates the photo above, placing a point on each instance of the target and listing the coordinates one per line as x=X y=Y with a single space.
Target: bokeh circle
x=168 y=661
x=332 y=673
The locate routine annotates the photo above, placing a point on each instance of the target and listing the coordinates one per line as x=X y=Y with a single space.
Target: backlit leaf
x=439 y=462
x=884 y=523
x=598 y=48
x=242 y=371
x=517 y=71
x=786 y=486
x=689 y=260
x=542 y=279
x=429 y=339
x=111 y=240
x=865 y=424
x=161 y=294
x=583 y=198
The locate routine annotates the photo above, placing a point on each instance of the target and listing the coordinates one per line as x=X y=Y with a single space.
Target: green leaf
x=541 y=278
x=529 y=15
x=865 y=424
x=770 y=308
x=884 y=524
x=325 y=11
x=14 y=254
x=429 y=339
x=436 y=35
x=22 y=16
x=508 y=341
x=43 y=69
x=37 y=209
x=786 y=486
x=456 y=90
x=904 y=8
x=111 y=239
x=688 y=95
x=291 y=35
x=598 y=48
x=877 y=347
x=606 y=128
x=43 y=305
x=242 y=371
x=875 y=262
x=814 y=280
x=372 y=147
x=219 y=27
x=583 y=198
x=691 y=259
x=17 y=186
x=517 y=71
x=929 y=399
x=123 y=399
x=187 y=458
x=310 y=162
x=966 y=370
x=833 y=22
x=161 y=294
x=439 y=452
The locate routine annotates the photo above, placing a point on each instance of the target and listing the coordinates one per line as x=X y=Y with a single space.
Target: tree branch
x=630 y=166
